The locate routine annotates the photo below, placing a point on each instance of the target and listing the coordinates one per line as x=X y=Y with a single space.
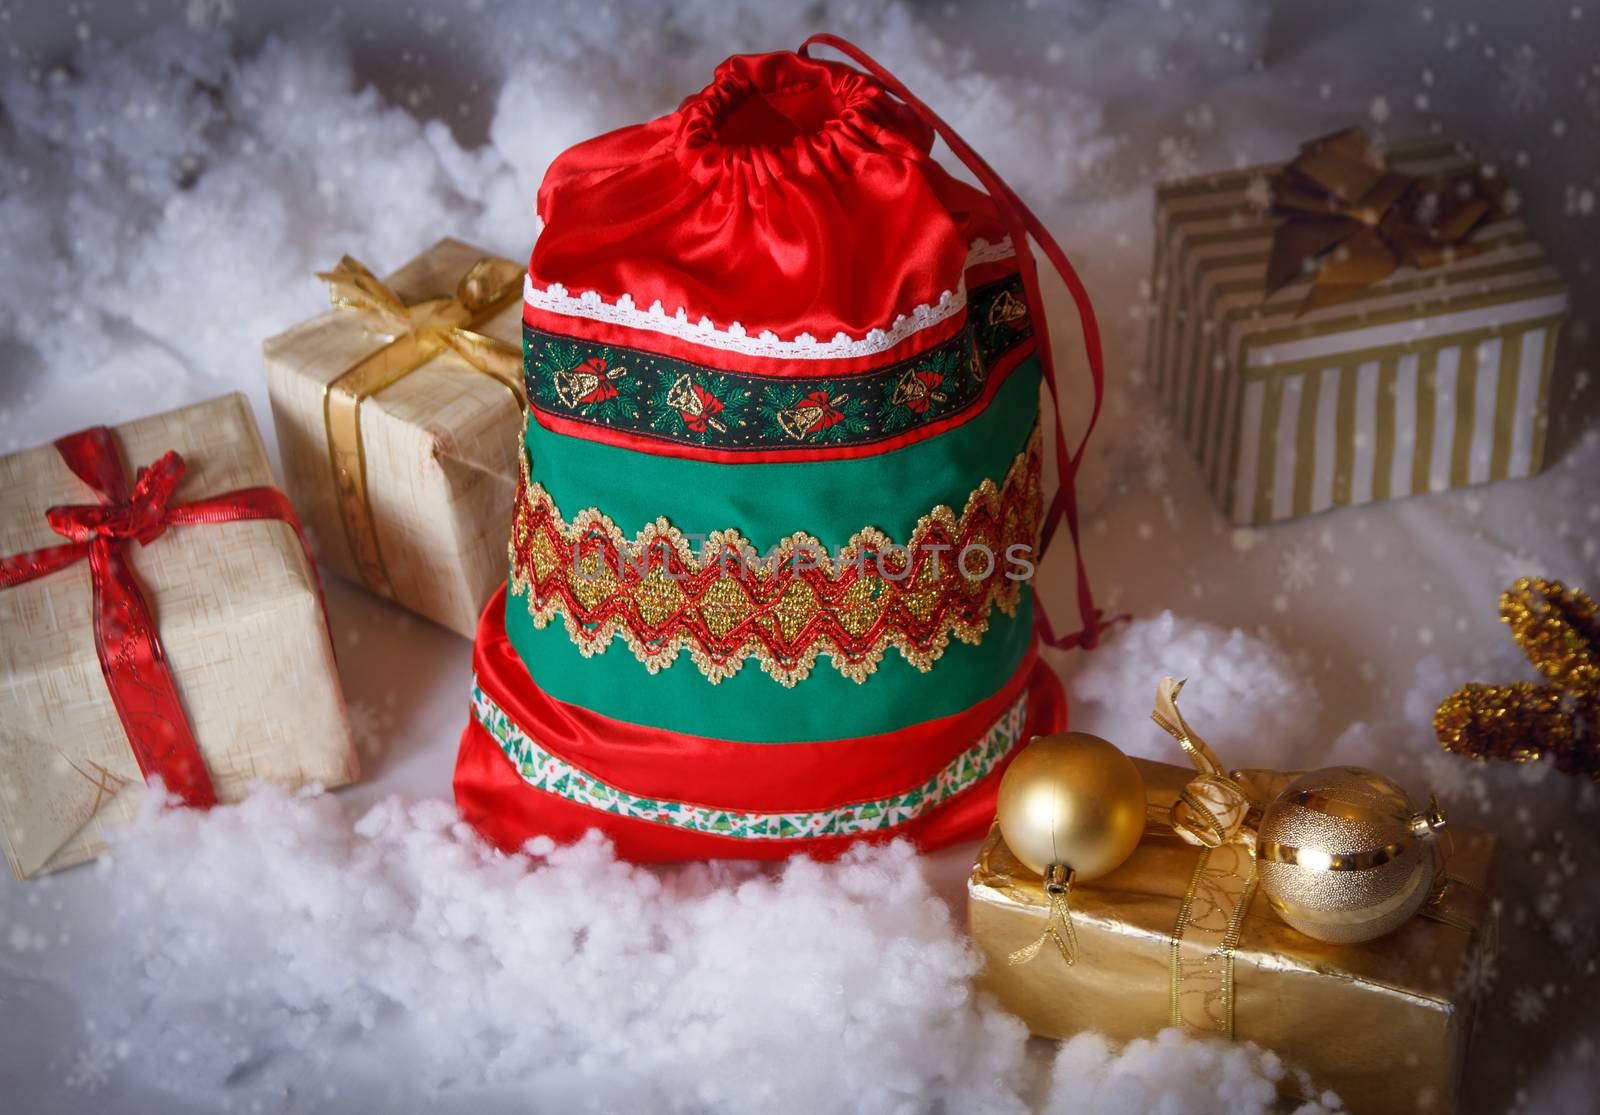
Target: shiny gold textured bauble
x=1344 y=855
x=1071 y=800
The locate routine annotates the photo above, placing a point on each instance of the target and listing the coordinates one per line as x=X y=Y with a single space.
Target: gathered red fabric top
x=790 y=196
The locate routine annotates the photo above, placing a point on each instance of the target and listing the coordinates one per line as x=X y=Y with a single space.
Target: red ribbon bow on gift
x=125 y=634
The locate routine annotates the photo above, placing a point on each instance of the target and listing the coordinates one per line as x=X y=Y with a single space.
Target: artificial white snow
x=270 y=938
x=1170 y=1073
x=164 y=203
x=1245 y=696
x=250 y=950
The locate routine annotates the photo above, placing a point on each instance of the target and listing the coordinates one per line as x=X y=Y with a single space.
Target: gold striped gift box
x=1430 y=379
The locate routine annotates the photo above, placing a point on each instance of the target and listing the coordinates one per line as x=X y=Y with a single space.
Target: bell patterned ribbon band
x=1351 y=221
x=417 y=333
x=662 y=398
x=725 y=603
x=544 y=770
x=126 y=639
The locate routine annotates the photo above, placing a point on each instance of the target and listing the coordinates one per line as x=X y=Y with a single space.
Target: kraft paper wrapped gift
x=398 y=416
x=239 y=617
x=1384 y=1024
x=1433 y=377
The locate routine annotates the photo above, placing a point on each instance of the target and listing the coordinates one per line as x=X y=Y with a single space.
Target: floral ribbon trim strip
x=725 y=602
x=674 y=400
x=552 y=774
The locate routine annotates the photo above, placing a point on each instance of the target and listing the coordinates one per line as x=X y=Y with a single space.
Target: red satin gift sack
x=782 y=489
x=791 y=195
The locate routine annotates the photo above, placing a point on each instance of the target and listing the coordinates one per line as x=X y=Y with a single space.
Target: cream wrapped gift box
x=240 y=624
x=1430 y=378
x=398 y=417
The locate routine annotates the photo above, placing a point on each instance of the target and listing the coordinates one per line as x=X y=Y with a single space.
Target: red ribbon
x=125 y=634
x=1064 y=507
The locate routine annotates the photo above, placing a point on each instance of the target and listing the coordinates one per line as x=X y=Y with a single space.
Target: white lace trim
x=556 y=299
x=984 y=252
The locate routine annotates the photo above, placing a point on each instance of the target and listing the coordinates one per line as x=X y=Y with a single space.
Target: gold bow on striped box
x=1422 y=379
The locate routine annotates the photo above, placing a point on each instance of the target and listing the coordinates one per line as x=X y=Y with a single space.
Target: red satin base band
x=494 y=798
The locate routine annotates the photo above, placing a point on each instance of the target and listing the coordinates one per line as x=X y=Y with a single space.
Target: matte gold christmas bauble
x=1071 y=800
x=1344 y=855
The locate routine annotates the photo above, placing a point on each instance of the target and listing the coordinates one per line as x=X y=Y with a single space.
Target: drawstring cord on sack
x=1024 y=224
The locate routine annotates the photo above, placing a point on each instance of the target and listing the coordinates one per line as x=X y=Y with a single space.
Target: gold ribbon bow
x=1212 y=808
x=1351 y=220
x=1211 y=813
x=417 y=333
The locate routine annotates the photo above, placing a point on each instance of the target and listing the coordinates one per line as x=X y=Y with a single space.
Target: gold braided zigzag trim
x=843 y=606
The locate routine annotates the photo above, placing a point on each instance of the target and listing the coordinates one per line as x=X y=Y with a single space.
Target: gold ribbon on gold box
x=402 y=467
x=1180 y=935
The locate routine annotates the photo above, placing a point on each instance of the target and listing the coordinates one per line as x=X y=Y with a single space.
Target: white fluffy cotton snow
x=1170 y=1073
x=273 y=935
x=251 y=951
x=164 y=202
x=1245 y=696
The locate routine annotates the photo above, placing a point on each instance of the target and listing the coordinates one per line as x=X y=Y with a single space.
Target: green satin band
x=752 y=708
x=830 y=500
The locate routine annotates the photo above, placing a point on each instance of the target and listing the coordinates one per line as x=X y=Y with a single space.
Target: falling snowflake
x=369 y=726
x=1099 y=171
x=1527 y=1005
x=1451 y=777
x=1155 y=476
x=1523 y=78
x=1577 y=942
x=1512 y=564
x=1297 y=569
x=91 y=1069
x=1258 y=192
x=1177 y=156
x=210 y=13
x=1200 y=119
x=1154 y=439
x=1480 y=970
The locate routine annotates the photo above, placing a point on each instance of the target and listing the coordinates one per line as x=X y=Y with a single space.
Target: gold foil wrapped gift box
x=233 y=607
x=398 y=417
x=1384 y=1024
x=1347 y=329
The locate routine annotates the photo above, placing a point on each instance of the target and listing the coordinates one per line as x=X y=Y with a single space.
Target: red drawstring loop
x=1024 y=224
